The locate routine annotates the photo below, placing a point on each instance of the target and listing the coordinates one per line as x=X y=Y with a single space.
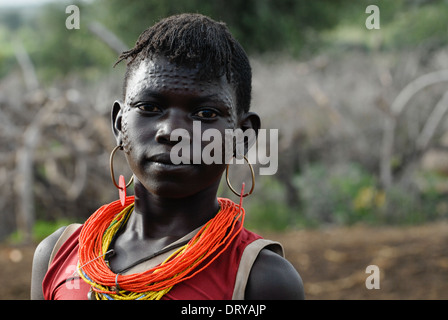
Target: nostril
x=164 y=138
x=171 y=137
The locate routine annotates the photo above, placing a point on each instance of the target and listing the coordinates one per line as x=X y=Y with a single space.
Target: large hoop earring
x=121 y=185
x=253 y=180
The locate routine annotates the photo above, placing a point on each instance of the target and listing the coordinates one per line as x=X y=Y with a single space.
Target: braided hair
x=194 y=40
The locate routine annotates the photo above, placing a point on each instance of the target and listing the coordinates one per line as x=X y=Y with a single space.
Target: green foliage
x=416 y=25
x=350 y=194
x=266 y=210
x=404 y=24
x=260 y=25
x=427 y=201
x=340 y=194
x=344 y=195
x=268 y=214
x=6 y=51
x=41 y=230
x=58 y=51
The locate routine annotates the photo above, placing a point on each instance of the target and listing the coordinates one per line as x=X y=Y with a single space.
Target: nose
x=171 y=122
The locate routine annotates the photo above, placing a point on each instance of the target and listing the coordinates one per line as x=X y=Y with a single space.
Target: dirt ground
x=413 y=262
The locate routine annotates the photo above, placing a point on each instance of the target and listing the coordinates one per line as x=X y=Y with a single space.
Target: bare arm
x=273 y=278
x=40 y=263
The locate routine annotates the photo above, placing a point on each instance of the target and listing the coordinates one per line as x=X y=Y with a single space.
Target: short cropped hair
x=194 y=40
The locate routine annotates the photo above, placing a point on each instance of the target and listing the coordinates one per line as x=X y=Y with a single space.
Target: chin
x=177 y=183
x=169 y=189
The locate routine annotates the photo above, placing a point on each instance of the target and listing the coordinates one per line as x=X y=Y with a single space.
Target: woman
x=174 y=239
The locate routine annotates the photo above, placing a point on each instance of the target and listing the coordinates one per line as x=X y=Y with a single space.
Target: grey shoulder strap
x=248 y=257
x=69 y=230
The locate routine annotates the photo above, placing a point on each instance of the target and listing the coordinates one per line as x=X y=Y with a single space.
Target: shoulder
x=40 y=262
x=272 y=277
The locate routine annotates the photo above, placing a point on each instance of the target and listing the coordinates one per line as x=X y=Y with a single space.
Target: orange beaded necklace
x=209 y=242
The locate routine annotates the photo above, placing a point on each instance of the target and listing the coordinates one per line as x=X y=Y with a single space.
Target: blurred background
x=363 y=144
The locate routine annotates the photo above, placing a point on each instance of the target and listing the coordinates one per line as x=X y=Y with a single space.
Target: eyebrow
x=211 y=97
x=145 y=94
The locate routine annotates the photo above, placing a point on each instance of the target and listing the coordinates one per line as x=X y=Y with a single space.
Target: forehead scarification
x=161 y=75
x=172 y=77
x=164 y=75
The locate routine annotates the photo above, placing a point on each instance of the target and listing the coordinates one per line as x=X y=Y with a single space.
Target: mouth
x=164 y=160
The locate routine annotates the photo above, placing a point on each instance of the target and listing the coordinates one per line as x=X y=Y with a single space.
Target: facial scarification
x=159 y=75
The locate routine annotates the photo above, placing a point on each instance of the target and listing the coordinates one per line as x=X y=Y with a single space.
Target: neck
x=159 y=217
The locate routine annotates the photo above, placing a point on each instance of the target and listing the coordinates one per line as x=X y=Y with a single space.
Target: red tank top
x=216 y=282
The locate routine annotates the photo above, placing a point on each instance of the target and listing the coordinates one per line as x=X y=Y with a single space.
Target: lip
x=162 y=158
x=163 y=161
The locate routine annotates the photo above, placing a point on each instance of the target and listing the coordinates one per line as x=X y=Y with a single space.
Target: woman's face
x=161 y=97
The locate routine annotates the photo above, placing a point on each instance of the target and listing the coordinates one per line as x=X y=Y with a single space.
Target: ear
x=252 y=121
x=116 y=116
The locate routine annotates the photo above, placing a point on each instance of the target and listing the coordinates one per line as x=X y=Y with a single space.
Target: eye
x=207 y=114
x=150 y=108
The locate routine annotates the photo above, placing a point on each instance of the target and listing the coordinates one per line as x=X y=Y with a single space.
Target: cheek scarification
x=127 y=147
